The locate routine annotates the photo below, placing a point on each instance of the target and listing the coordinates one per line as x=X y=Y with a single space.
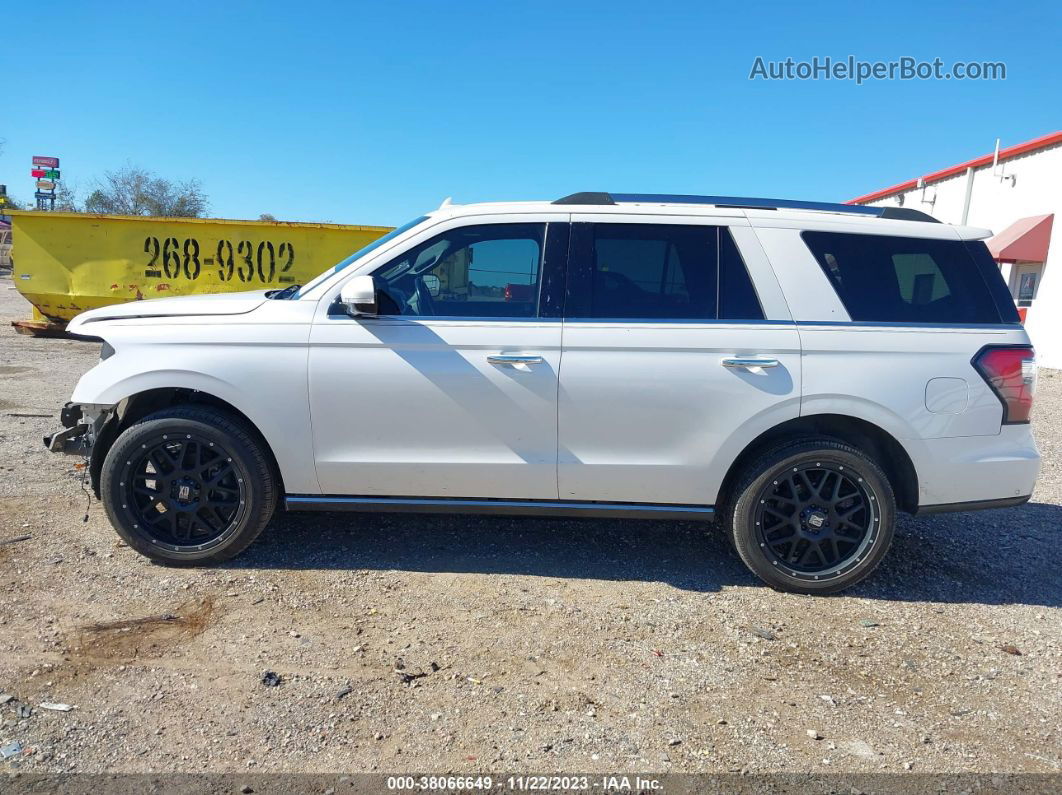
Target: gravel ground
x=514 y=644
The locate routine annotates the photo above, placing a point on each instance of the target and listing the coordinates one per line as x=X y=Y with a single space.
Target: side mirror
x=358 y=296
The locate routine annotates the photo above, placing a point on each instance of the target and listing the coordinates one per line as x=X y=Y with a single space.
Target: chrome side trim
x=897 y=324
x=671 y=321
x=420 y=319
x=873 y=324
x=298 y=502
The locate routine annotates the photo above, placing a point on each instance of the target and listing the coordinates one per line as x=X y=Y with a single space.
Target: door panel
x=649 y=413
x=669 y=367
x=412 y=407
x=421 y=403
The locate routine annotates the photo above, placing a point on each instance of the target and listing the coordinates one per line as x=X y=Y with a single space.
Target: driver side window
x=488 y=270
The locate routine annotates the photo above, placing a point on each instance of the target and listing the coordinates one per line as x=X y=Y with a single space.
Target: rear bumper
x=969 y=473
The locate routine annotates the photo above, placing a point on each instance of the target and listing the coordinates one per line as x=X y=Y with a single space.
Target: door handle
x=506 y=358
x=750 y=362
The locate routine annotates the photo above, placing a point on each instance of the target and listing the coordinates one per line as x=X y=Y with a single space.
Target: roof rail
x=906 y=214
x=744 y=202
x=586 y=198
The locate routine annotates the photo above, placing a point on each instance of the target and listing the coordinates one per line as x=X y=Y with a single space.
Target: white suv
x=798 y=371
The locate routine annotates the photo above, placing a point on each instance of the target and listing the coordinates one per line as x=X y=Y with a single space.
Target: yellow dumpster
x=65 y=263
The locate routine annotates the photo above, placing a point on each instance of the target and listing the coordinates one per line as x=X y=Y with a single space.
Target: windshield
x=361 y=252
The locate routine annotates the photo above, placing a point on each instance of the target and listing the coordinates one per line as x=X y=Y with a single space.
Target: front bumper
x=72 y=441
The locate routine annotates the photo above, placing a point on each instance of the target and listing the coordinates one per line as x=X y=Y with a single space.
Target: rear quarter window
x=883 y=278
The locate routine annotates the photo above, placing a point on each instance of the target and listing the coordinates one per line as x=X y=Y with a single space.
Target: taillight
x=1011 y=372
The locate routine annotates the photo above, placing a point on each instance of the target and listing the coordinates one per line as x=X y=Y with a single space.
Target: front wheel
x=188 y=486
x=813 y=516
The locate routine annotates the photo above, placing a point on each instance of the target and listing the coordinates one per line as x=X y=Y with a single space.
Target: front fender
x=107 y=384
x=266 y=384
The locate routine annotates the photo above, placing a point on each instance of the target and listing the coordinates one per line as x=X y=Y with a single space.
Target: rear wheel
x=812 y=516
x=188 y=486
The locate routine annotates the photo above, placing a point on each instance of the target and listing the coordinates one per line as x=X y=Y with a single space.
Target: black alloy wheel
x=816 y=519
x=813 y=515
x=183 y=491
x=189 y=485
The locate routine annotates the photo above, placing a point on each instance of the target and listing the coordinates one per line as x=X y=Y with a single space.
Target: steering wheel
x=425 y=306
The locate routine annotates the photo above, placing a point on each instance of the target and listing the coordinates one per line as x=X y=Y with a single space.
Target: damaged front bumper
x=72 y=441
x=81 y=426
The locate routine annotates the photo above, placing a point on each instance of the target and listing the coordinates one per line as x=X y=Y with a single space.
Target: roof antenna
x=446 y=202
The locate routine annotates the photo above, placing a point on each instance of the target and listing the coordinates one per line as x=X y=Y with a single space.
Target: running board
x=615 y=510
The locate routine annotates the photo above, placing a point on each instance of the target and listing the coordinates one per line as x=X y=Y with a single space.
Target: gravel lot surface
x=518 y=644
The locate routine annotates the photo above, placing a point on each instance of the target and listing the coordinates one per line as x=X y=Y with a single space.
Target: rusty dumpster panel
x=66 y=263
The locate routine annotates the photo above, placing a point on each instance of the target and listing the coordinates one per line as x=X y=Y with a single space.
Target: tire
x=795 y=532
x=188 y=486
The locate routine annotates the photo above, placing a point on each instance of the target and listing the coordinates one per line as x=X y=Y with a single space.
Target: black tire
x=795 y=532
x=212 y=504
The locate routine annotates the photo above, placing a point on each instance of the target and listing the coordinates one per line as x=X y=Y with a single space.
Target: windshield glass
x=361 y=252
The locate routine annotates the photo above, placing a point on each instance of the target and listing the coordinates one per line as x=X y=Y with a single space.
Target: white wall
x=996 y=205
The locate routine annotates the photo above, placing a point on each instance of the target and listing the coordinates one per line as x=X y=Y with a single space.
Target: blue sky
x=372 y=113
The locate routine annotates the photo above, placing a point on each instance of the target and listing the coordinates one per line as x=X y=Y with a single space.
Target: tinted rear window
x=662 y=271
x=881 y=278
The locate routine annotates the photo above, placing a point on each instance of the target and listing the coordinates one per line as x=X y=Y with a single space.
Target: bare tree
x=136 y=191
x=66 y=200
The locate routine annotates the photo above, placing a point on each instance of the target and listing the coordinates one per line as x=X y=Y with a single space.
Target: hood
x=180 y=306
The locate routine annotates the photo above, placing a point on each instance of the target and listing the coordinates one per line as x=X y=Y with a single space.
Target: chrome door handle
x=750 y=363
x=505 y=358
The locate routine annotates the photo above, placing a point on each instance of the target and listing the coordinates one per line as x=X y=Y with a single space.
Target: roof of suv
x=744 y=203
x=766 y=212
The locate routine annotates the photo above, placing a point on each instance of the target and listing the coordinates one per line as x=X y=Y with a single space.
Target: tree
x=267 y=217
x=136 y=191
x=66 y=198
